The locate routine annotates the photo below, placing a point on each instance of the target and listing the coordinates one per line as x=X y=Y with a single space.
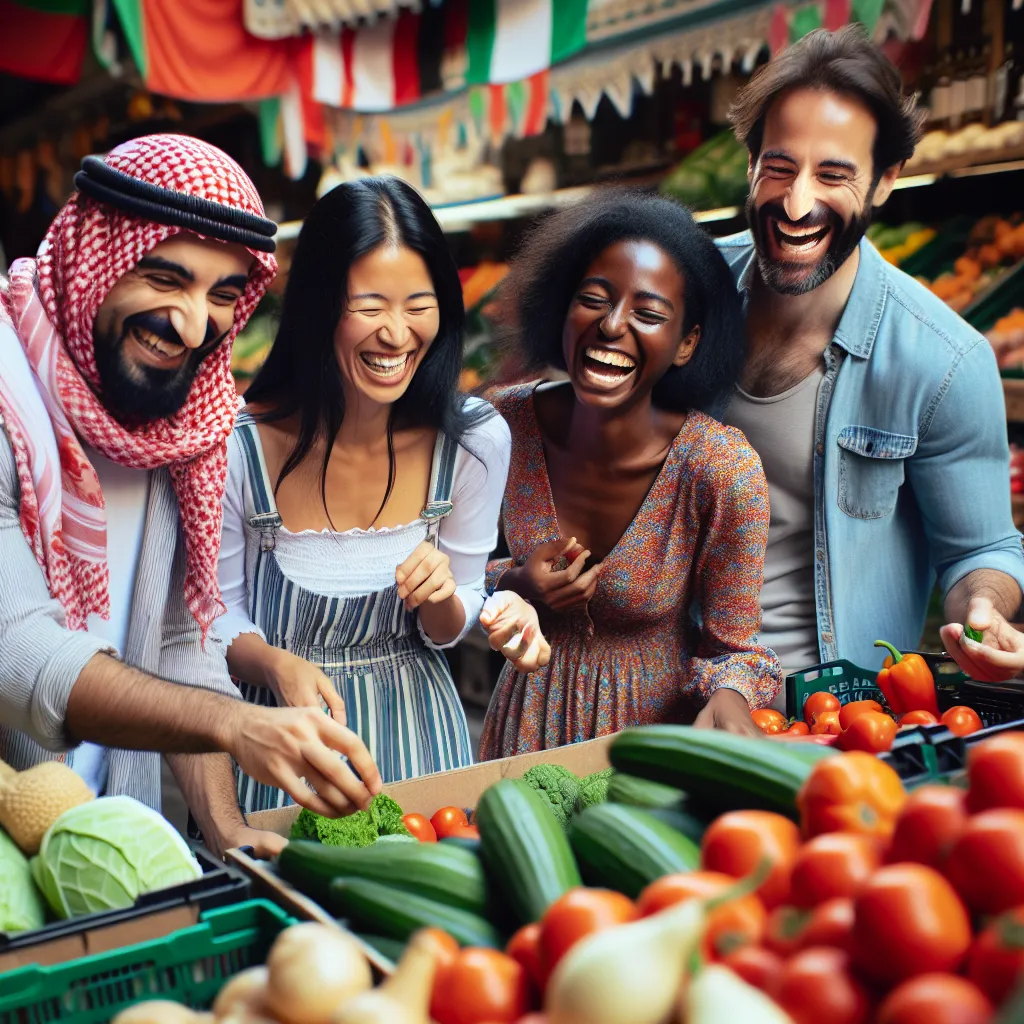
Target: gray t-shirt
x=781 y=430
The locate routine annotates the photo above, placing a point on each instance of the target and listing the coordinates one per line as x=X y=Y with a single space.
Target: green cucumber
x=398 y=914
x=524 y=849
x=465 y=842
x=685 y=822
x=439 y=871
x=637 y=792
x=721 y=770
x=625 y=848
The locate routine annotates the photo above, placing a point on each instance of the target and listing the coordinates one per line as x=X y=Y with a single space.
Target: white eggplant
x=630 y=974
x=717 y=995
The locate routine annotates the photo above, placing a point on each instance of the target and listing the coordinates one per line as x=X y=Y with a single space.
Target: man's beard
x=792 y=278
x=142 y=394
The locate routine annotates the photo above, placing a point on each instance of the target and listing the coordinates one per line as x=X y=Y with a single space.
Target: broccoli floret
x=594 y=789
x=387 y=816
x=558 y=786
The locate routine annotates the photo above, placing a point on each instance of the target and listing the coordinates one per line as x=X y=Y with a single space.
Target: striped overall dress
x=399 y=694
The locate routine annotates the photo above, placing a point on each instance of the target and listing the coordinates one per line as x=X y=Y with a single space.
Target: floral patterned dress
x=635 y=655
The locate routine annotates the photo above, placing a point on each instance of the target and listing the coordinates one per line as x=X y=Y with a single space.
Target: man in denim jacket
x=878 y=413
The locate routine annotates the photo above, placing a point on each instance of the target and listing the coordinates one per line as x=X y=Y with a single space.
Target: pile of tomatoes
x=446 y=823
x=885 y=907
x=859 y=725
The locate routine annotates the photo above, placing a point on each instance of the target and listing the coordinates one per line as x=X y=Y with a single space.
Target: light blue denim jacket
x=911 y=460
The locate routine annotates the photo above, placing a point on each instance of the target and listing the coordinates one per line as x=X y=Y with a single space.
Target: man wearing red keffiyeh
x=116 y=401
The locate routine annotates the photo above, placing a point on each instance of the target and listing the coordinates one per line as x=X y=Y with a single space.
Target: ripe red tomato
x=831 y=865
x=445 y=948
x=757 y=966
x=524 y=948
x=817 y=985
x=995 y=769
x=872 y=731
x=936 y=999
x=577 y=914
x=830 y=924
x=819 y=702
x=462 y=832
x=848 y=713
x=986 y=864
x=826 y=723
x=448 y=818
x=769 y=720
x=996 y=962
x=481 y=985
x=420 y=827
x=798 y=729
x=738 y=843
x=734 y=924
x=919 y=717
x=961 y=720
x=909 y=920
x=931 y=821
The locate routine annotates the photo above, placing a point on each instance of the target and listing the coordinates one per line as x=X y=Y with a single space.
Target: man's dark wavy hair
x=554 y=259
x=843 y=62
x=301 y=376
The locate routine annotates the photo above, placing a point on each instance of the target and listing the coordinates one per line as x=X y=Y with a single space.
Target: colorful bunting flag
x=510 y=40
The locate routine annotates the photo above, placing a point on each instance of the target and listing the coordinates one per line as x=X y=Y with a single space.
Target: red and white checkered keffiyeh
x=51 y=302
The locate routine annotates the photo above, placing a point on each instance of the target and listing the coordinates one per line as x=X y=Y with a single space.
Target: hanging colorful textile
x=45 y=40
x=199 y=50
x=509 y=40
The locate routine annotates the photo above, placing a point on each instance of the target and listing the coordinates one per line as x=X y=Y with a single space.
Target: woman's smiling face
x=391 y=318
x=624 y=328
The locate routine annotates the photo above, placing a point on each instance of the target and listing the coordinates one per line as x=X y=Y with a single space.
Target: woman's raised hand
x=425 y=577
x=512 y=628
x=298 y=683
x=553 y=575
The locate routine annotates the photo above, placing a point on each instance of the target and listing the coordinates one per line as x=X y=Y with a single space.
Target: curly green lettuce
x=594 y=789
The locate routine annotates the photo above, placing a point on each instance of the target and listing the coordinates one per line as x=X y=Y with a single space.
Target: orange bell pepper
x=907 y=683
x=855 y=792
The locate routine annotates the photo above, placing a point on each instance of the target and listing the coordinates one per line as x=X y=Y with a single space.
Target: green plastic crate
x=190 y=967
x=995 y=704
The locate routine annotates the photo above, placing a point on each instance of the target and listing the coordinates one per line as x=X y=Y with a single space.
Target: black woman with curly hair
x=636 y=523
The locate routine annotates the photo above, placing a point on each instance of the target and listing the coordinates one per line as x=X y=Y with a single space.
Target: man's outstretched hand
x=290 y=747
x=998 y=656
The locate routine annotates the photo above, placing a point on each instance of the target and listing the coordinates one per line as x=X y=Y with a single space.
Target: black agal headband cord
x=165 y=206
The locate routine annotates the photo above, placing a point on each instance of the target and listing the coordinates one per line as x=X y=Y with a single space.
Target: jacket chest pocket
x=871 y=470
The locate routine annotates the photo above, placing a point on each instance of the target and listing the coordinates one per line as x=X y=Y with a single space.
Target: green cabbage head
x=20 y=906
x=102 y=855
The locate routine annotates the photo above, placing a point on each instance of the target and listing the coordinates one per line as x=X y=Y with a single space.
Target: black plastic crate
x=220 y=885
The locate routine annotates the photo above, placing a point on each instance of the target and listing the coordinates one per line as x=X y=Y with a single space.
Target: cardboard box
x=463 y=786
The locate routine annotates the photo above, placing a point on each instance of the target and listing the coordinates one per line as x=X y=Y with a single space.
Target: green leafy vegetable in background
x=559 y=787
x=104 y=854
x=21 y=908
x=387 y=816
x=594 y=789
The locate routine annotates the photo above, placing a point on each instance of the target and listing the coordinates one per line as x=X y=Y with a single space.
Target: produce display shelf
x=1013 y=393
x=189 y=967
x=157 y=913
x=995 y=704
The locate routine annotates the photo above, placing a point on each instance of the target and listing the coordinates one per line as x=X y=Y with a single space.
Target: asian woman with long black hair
x=364 y=491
